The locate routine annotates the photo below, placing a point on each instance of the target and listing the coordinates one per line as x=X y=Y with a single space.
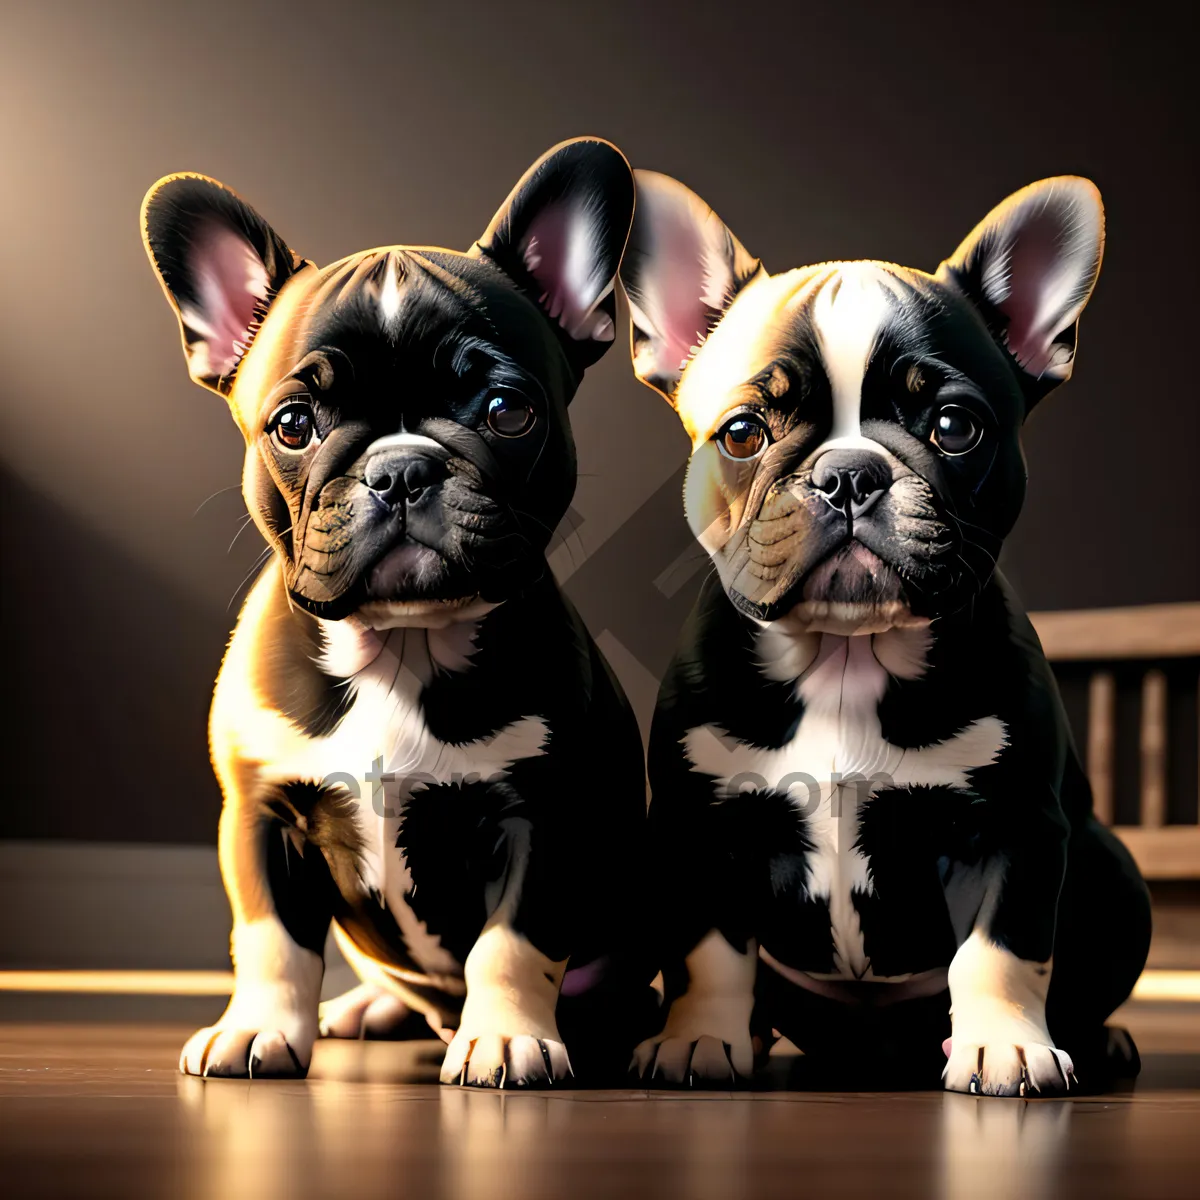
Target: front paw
x=1007 y=1068
x=504 y=1060
x=695 y=1059
x=232 y=1052
x=263 y=1034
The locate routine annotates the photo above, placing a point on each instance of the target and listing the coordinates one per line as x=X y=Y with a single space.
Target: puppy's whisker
x=233 y=487
x=553 y=533
x=963 y=523
x=971 y=544
x=247 y=521
x=259 y=563
x=980 y=580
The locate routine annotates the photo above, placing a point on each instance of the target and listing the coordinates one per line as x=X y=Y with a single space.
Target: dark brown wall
x=817 y=131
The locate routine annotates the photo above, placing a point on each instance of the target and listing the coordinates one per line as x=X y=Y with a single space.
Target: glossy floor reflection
x=98 y=1110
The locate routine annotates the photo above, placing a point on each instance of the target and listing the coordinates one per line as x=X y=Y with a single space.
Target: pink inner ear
x=230 y=280
x=681 y=276
x=560 y=251
x=684 y=293
x=1035 y=270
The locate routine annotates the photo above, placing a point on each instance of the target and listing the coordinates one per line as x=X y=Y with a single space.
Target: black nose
x=850 y=481
x=402 y=475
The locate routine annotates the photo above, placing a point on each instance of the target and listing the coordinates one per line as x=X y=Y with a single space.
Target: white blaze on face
x=404 y=441
x=389 y=294
x=849 y=313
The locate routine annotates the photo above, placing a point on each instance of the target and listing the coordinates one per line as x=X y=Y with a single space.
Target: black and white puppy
x=864 y=790
x=414 y=734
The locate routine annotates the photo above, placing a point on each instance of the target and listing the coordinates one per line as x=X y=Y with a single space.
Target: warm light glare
x=125 y=983
x=1173 y=986
x=1168 y=985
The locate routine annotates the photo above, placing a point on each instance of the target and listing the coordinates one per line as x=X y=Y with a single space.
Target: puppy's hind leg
x=377 y=1009
x=369 y=1012
x=1100 y=948
x=280 y=919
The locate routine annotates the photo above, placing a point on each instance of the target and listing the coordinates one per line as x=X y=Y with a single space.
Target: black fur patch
x=768 y=842
x=454 y=846
x=718 y=659
x=298 y=871
x=904 y=833
x=286 y=675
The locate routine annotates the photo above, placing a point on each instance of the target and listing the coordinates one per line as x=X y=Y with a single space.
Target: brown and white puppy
x=864 y=788
x=413 y=731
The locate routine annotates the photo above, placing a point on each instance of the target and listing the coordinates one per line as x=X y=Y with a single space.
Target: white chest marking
x=838 y=758
x=384 y=751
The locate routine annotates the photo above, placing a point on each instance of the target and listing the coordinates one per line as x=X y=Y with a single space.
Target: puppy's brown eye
x=743 y=438
x=955 y=430
x=293 y=426
x=509 y=414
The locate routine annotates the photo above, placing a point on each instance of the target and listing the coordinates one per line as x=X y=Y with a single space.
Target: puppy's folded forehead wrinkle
x=465 y=294
x=469 y=353
x=375 y=277
x=392 y=291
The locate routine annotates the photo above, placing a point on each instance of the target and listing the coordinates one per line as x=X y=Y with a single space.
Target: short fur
x=864 y=790
x=415 y=736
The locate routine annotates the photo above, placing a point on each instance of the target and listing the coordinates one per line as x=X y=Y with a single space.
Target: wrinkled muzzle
x=416 y=517
x=853 y=537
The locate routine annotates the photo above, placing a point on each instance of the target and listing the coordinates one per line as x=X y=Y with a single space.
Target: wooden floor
x=99 y=1110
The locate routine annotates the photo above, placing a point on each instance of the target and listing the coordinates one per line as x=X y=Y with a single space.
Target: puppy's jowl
x=414 y=734
x=864 y=787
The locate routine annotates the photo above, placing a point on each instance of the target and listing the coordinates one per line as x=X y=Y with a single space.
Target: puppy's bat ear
x=1029 y=267
x=560 y=235
x=681 y=271
x=220 y=265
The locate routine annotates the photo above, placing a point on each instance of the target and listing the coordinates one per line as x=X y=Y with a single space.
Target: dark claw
x=499 y=1075
x=462 y=1075
x=546 y=1061
x=975 y=1087
x=654 y=1063
x=1058 y=1067
x=1025 y=1085
x=295 y=1061
x=207 y=1048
